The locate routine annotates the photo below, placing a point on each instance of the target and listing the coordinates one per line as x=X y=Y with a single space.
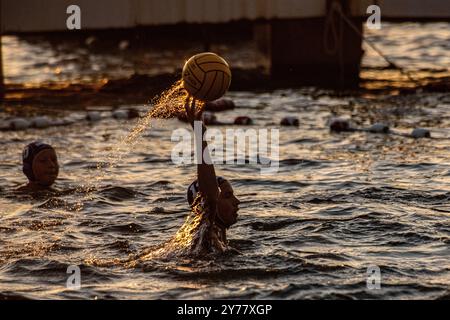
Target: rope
x=330 y=27
x=336 y=8
x=391 y=63
x=337 y=30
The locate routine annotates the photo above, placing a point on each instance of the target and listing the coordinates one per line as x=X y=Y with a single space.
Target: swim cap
x=194 y=188
x=28 y=155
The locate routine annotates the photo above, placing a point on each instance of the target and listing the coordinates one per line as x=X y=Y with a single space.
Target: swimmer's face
x=227 y=205
x=45 y=167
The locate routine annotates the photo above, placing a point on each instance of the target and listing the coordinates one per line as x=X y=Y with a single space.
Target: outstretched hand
x=192 y=113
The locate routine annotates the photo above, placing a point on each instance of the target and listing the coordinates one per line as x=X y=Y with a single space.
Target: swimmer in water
x=213 y=205
x=40 y=166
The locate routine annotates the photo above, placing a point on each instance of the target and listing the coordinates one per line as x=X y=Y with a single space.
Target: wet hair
x=28 y=155
x=193 y=189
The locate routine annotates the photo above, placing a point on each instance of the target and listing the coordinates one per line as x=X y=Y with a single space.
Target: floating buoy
x=133 y=113
x=243 y=120
x=219 y=105
x=4 y=126
x=289 y=121
x=209 y=118
x=40 y=122
x=379 y=128
x=420 y=133
x=93 y=116
x=62 y=122
x=19 y=124
x=120 y=114
x=339 y=125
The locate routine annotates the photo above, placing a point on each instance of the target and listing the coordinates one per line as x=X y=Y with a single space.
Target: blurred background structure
x=294 y=43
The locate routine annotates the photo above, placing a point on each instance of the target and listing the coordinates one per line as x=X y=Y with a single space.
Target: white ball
x=206 y=76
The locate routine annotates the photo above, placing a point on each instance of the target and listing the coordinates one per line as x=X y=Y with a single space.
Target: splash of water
x=167 y=105
x=198 y=237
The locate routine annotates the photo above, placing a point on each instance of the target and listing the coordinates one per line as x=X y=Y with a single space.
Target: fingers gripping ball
x=206 y=76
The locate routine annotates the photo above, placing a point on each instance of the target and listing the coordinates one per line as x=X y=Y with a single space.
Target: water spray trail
x=168 y=105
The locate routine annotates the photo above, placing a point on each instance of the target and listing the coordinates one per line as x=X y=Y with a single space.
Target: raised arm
x=205 y=172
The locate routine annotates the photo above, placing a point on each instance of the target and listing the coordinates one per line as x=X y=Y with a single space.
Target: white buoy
x=40 y=122
x=93 y=116
x=120 y=114
x=19 y=124
x=4 y=125
x=420 y=133
x=62 y=122
x=379 y=128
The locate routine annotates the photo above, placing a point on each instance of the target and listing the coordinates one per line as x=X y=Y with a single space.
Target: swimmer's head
x=227 y=203
x=40 y=163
